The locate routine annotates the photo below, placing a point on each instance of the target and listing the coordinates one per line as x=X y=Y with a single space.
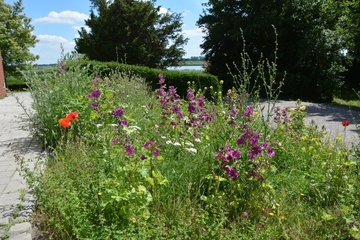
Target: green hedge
x=176 y=78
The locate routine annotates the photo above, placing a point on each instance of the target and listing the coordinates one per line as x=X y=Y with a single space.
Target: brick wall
x=2 y=79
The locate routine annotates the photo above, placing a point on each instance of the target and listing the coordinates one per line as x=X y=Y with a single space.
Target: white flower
x=168 y=142
x=176 y=144
x=163 y=137
x=189 y=144
x=98 y=125
x=197 y=140
x=192 y=150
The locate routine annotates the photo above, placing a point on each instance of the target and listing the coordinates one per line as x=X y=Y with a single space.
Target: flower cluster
x=66 y=122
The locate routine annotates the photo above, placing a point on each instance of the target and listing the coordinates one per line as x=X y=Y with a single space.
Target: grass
x=149 y=165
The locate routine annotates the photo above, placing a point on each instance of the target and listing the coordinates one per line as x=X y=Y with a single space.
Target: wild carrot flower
x=65 y=122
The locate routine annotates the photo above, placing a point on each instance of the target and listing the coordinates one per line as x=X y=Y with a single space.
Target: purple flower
x=265 y=145
x=192 y=106
x=115 y=141
x=147 y=144
x=249 y=111
x=233 y=112
x=241 y=140
x=234 y=154
x=118 y=113
x=95 y=94
x=255 y=151
x=352 y=224
x=97 y=79
x=271 y=152
x=156 y=152
x=142 y=157
x=123 y=123
x=254 y=139
x=190 y=94
x=95 y=104
x=231 y=172
x=129 y=149
x=232 y=122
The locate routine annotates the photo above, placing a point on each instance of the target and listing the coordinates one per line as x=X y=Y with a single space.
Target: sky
x=56 y=23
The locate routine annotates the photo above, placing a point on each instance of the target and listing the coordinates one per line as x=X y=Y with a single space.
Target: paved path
x=331 y=117
x=15 y=201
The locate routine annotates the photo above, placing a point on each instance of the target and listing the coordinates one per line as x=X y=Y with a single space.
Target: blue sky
x=56 y=22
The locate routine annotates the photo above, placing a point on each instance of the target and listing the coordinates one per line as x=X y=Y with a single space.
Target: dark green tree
x=132 y=32
x=15 y=38
x=310 y=35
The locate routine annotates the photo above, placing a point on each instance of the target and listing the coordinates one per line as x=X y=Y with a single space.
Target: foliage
x=311 y=38
x=153 y=40
x=179 y=79
x=140 y=164
x=15 y=37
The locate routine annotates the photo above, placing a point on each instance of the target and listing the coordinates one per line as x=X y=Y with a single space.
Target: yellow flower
x=211 y=87
x=188 y=83
x=99 y=193
x=292 y=110
x=256 y=114
x=302 y=108
x=221 y=82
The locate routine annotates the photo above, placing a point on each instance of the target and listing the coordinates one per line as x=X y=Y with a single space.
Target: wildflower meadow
x=122 y=161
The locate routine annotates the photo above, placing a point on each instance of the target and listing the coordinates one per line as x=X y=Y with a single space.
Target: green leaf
x=326 y=217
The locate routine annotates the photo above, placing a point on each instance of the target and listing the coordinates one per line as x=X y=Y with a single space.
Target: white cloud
x=67 y=17
x=54 y=42
x=193 y=33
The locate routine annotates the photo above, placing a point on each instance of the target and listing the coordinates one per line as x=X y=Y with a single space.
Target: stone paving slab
x=16 y=203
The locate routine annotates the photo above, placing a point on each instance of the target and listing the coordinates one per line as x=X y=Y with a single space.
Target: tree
x=132 y=32
x=310 y=37
x=15 y=38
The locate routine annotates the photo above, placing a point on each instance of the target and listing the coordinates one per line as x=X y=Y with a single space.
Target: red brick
x=2 y=79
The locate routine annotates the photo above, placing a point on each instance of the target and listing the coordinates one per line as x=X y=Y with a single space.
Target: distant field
x=192 y=63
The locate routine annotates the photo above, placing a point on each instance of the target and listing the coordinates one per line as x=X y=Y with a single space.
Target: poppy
x=345 y=123
x=65 y=122
x=73 y=116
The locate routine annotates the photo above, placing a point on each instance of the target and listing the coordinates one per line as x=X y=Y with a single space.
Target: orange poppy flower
x=65 y=122
x=345 y=123
x=73 y=116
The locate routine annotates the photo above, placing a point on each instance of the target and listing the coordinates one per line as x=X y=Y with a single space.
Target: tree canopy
x=132 y=32
x=312 y=37
x=15 y=37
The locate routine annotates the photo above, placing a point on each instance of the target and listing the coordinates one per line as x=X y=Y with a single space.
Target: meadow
x=121 y=161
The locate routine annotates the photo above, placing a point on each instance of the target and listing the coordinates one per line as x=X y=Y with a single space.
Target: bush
x=178 y=79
